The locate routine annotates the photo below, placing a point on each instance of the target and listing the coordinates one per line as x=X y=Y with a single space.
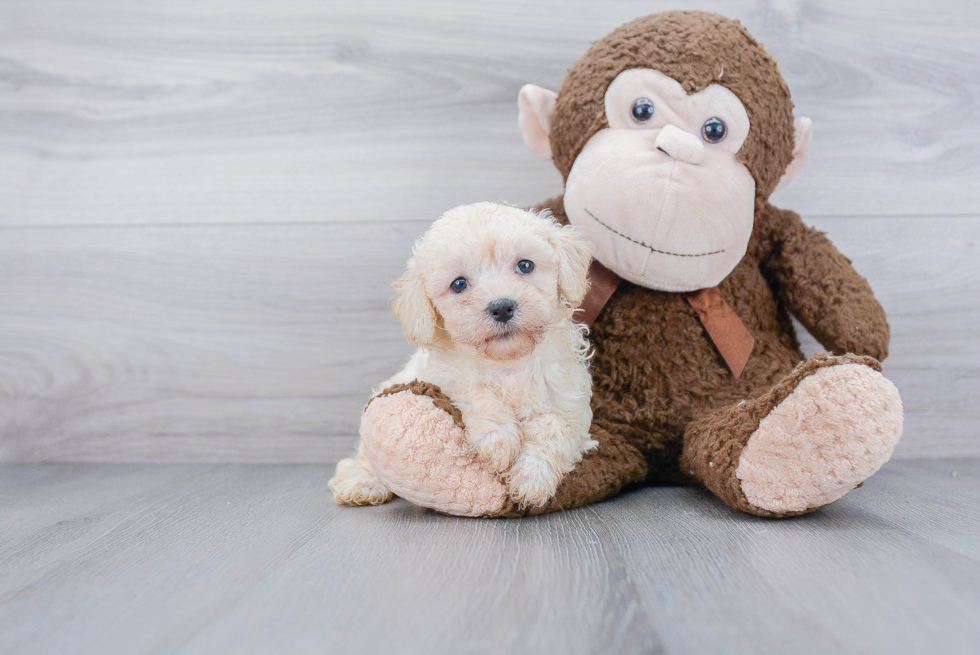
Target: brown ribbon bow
x=729 y=334
x=731 y=337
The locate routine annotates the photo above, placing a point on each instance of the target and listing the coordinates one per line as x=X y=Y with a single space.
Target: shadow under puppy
x=488 y=298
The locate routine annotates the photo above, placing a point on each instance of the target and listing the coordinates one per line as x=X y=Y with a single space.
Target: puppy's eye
x=642 y=110
x=525 y=266
x=713 y=130
x=459 y=285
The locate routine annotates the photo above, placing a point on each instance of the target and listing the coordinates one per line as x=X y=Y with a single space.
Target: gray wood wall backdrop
x=202 y=202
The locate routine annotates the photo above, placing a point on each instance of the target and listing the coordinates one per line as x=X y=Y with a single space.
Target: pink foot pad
x=419 y=451
x=833 y=432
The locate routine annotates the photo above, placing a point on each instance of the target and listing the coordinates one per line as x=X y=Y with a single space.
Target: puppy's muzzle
x=502 y=309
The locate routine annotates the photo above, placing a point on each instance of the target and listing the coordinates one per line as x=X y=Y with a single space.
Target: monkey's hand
x=823 y=290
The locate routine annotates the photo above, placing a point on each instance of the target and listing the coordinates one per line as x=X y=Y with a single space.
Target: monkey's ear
x=414 y=309
x=574 y=255
x=801 y=150
x=536 y=105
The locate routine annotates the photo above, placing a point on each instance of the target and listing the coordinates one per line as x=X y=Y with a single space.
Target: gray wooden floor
x=256 y=559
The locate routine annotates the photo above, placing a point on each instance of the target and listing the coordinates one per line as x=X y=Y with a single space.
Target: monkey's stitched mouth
x=649 y=247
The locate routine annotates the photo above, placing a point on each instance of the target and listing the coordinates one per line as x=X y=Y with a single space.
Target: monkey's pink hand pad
x=419 y=451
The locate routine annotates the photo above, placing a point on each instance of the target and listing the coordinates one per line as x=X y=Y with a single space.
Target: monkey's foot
x=414 y=439
x=821 y=432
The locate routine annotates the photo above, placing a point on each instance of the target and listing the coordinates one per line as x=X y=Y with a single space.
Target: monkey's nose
x=502 y=309
x=680 y=144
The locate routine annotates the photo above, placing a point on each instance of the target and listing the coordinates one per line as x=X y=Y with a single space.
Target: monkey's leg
x=414 y=438
x=827 y=427
x=601 y=474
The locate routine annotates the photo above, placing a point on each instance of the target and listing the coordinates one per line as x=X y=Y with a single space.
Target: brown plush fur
x=655 y=369
x=696 y=49
x=661 y=388
x=601 y=474
x=659 y=381
x=714 y=460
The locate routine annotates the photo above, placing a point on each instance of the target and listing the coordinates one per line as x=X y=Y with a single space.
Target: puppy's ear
x=413 y=307
x=574 y=256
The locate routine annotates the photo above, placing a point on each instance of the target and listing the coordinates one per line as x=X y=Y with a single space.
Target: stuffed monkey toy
x=671 y=133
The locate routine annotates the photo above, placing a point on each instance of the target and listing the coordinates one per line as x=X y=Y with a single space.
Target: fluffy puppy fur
x=522 y=384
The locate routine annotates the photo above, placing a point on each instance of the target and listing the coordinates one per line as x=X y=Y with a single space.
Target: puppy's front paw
x=496 y=444
x=532 y=480
x=353 y=484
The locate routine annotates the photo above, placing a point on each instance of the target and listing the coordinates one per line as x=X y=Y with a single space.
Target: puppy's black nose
x=502 y=309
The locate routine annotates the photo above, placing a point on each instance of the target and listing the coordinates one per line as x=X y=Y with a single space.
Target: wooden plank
x=194 y=343
x=306 y=111
x=819 y=584
x=261 y=343
x=257 y=559
x=942 y=484
x=189 y=548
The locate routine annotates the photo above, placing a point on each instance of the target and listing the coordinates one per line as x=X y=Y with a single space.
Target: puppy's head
x=492 y=280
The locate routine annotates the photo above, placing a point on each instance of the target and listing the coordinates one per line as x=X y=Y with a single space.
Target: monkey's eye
x=525 y=266
x=713 y=130
x=642 y=110
x=459 y=285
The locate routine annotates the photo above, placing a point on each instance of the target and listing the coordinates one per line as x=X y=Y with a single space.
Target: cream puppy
x=488 y=298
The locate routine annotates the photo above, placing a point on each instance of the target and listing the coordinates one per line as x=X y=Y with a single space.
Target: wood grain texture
x=194 y=343
x=262 y=342
x=202 y=203
x=115 y=112
x=206 y=559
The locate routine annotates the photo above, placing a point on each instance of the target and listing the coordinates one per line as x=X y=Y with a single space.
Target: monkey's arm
x=821 y=288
